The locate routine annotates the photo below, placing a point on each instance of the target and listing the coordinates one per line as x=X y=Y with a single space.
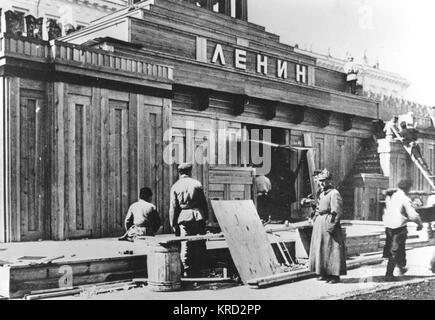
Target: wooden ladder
x=431 y=111
x=427 y=174
x=311 y=162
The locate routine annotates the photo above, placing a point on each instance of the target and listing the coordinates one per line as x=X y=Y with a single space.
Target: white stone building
x=373 y=79
x=78 y=13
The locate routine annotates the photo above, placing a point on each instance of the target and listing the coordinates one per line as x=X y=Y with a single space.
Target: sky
x=400 y=34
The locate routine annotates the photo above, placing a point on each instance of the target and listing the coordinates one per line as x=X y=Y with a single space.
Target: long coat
x=327 y=250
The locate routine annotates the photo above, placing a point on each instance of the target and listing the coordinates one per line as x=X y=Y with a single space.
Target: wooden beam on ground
x=174 y=239
x=291 y=227
x=206 y=280
x=347 y=122
x=280 y=278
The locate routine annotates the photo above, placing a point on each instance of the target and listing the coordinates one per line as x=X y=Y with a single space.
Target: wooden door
x=78 y=203
x=33 y=158
x=150 y=152
x=118 y=177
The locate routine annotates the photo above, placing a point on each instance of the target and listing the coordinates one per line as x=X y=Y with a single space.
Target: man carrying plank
x=398 y=211
x=188 y=213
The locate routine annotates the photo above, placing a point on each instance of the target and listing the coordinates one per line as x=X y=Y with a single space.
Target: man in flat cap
x=188 y=213
x=327 y=250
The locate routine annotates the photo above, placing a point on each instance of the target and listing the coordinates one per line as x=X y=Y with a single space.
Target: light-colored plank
x=133 y=146
x=105 y=172
x=247 y=240
x=58 y=175
x=79 y=164
x=14 y=134
x=95 y=162
x=24 y=167
x=3 y=161
x=71 y=178
x=148 y=148
x=141 y=145
x=124 y=169
x=167 y=169
x=308 y=142
x=159 y=199
x=88 y=160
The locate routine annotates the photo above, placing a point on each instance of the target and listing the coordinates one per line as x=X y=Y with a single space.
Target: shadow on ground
x=380 y=279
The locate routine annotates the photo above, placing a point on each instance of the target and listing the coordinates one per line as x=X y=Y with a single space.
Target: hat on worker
x=324 y=175
x=316 y=172
x=185 y=166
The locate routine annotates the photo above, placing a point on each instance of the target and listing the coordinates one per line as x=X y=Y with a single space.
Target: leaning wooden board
x=246 y=237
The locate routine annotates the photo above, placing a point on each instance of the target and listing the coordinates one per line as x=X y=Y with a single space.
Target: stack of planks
x=18 y=279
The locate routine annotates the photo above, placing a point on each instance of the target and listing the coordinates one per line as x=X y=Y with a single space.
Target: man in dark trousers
x=398 y=211
x=263 y=187
x=188 y=213
x=142 y=217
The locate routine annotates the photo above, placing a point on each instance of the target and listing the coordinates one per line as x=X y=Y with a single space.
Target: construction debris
x=87 y=290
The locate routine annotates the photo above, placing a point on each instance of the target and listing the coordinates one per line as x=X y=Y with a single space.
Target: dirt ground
x=418 y=291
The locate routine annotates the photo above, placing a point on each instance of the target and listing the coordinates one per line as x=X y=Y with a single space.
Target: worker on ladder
x=409 y=136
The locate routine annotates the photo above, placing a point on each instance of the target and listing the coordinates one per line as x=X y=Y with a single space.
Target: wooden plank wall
x=29 y=133
x=3 y=160
x=334 y=148
x=77 y=158
x=109 y=144
x=427 y=146
x=331 y=79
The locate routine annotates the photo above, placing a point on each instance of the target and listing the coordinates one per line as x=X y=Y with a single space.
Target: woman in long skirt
x=327 y=250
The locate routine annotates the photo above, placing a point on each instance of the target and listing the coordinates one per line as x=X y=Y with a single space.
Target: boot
x=389 y=275
x=333 y=279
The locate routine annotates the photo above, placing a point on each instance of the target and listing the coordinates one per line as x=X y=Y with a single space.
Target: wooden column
x=58 y=176
x=324 y=118
x=367 y=196
x=239 y=104
x=271 y=110
x=202 y=99
x=242 y=9
x=298 y=114
x=3 y=161
x=168 y=174
x=347 y=122
x=395 y=162
x=225 y=7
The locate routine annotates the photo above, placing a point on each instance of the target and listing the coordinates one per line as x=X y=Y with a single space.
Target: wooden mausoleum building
x=88 y=119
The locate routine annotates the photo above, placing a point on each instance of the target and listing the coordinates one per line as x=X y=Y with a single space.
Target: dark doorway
x=283 y=179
